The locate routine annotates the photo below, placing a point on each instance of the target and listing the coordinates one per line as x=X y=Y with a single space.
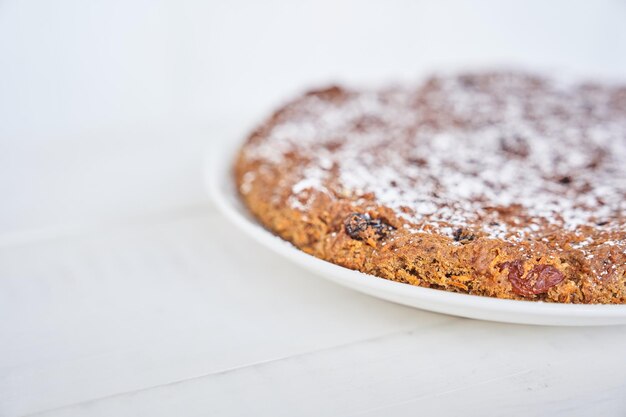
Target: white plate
x=221 y=186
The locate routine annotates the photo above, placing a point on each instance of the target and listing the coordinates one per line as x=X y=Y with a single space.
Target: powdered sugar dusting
x=464 y=150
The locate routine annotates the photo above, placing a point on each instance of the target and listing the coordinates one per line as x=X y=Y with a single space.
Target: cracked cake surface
x=500 y=184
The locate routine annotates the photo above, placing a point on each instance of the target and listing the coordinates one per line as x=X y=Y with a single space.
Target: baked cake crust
x=505 y=185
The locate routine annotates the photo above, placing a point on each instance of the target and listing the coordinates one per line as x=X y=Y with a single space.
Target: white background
x=119 y=281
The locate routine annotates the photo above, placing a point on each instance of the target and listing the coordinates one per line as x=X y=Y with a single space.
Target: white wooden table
x=123 y=292
x=174 y=312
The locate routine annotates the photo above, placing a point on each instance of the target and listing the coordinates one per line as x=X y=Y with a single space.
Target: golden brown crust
x=511 y=251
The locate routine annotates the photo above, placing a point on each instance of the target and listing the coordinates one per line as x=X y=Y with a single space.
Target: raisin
x=565 y=180
x=516 y=270
x=361 y=227
x=538 y=280
x=355 y=224
x=544 y=277
x=462 y=235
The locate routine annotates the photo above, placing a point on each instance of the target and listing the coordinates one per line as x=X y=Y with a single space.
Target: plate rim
x=218 y=178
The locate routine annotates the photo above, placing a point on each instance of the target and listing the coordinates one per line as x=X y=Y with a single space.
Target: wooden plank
x=461 y=367
x=129 y=307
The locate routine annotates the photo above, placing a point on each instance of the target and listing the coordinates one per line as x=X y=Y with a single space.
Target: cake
x=499 y=184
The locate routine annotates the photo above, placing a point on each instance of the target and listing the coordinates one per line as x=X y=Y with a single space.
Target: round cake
x=506 y=185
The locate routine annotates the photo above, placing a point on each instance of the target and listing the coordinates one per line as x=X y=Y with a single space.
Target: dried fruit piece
x=516 y=269
x=543 y=277
x=462 y=235
x=355 y=224
x=538 y=280
x=565 y=180
x=362 y=227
